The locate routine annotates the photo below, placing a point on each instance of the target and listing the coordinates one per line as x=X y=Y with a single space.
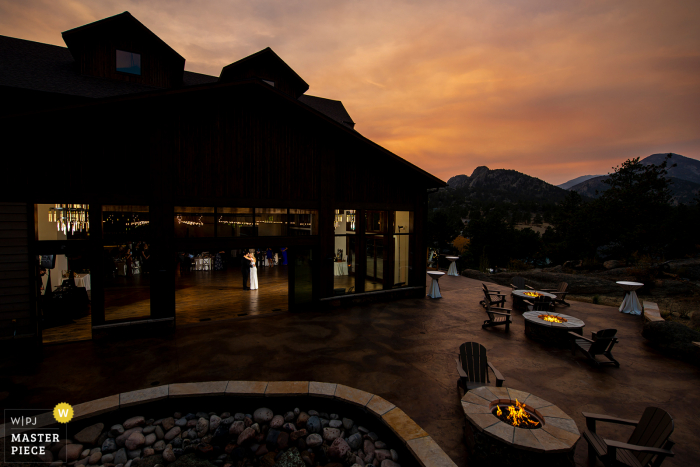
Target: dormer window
x=128 y=62
x=271 y=83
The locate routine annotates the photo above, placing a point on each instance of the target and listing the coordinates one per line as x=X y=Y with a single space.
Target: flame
x=552 y=318
x=517 y=415
x=533 y=294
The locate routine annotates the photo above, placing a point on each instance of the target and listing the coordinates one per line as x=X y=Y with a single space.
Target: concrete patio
x=403 y=351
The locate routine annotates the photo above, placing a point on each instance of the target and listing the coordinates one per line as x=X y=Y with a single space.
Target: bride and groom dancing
x=250 y=271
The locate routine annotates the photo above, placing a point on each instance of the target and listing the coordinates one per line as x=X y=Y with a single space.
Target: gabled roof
x=121 y=21
x=266 y=58
x=333 y=109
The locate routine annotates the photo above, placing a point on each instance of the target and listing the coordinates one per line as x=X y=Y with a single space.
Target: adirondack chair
x=540 y=304
x=497 y=316
x=473 y=366
x=560 y=292
x=648 y=446
x=518 y=283
x=601 y=343
x=501 y=298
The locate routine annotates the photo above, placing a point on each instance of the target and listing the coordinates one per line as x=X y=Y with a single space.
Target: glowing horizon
x=552 y=89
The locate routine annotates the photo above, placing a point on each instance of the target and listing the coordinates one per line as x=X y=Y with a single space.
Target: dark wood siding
x=16 y=297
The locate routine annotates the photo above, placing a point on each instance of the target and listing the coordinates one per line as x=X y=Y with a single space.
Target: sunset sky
x=552 y=88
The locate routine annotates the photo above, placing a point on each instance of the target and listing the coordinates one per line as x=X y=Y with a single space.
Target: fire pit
x=551 y=328
x=528 y=432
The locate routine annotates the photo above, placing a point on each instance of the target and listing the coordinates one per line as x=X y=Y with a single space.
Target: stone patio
x=402 y=351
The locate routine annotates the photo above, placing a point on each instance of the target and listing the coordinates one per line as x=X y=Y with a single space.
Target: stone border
x=651 y=311
x=559 y=432
x=571 y=322
x=423 y=447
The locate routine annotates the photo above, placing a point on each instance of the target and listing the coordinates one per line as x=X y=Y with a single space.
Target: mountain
x=684 y=177
x=505 y=186
x=576 y=181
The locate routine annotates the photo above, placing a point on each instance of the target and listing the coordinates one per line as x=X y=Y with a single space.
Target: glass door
x=301 y=261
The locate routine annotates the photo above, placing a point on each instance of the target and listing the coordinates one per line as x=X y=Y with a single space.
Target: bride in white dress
x=253 y=272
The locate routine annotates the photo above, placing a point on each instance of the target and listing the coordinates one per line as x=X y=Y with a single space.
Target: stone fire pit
x=493 y=442
x=551 y=333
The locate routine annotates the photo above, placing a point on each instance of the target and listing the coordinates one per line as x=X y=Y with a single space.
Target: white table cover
x=452 y=271
x=82 y=280
x=341 y=268
x=631 y=303
x=434 y=291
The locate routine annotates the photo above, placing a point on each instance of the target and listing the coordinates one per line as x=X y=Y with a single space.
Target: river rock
x=181 y=422
x=110 y=445
x=214 y=422
x=335 y=424
x=148 y=452
x=314 y=440
x=277 y=422
x=394 y=455
x=237 y=428
x=263 y=415
x=135 y=441
x=107 y=458
x=90 y=434
x=301 y=420
x=70 y=452
x=159 y=445
x=359 y=461
x=313 y=424
x=289 y=417
x=239 y=416
x=373 y=436
x=149 y=429
x=334 y=416
x=298 y=434
x=168 y=455
x=191 y=423
x=331 y=434
x=389 y=463
x=173 y=432
x=133 y=422
x=150 y=439
x=368 y=448
x=283 y=440
x=246 y=436
x=120 y=456
x=339 y=448
x=95 y=457
x=121 y=439
x=348 y=423
x=85 y=454
x=168 y=423
x=355 y=441
x=160 y=434
x=202 y=427
x=288 y=427
x=382 y=454
x=136 y=453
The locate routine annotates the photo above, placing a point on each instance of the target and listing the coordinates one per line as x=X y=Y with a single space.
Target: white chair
x=206 y=264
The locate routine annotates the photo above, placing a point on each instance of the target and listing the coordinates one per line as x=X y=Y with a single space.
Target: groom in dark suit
x=245 y=270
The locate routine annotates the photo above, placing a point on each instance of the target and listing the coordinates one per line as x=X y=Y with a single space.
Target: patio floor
x=402 y=350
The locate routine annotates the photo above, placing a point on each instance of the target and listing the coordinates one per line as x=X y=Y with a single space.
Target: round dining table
x=630 y=304
x=452 y=271
x=434 y=291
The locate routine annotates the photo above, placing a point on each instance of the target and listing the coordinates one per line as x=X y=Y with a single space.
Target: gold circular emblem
x=63 y=413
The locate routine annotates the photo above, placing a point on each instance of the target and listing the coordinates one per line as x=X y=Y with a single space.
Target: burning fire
x=552 y=319
x=517 y=415
x=533 y=294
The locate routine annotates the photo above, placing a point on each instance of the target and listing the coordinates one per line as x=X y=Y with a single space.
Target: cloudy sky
x=551 y=88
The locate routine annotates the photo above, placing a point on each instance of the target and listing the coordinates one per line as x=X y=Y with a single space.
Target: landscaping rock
x=348 y=423
x=277 y=422
x=107 y=458
x=70 y=452
x=160 y=434
x=110 y=445
x=237 y=428
x=263 y=415
x=313 y=424
x=173 y=432
x=169 y=455
x=339 y=448
x=335 y=423
x=389 y=463
x=246 y=436
x=314 y=440
x=95 y=457
x=133 y=422
x=355 y=441
x=120 y=456
x=135 y=441
x=150 y=439
x=202 y=427
x=330 y=434
x=214 y=422
x=301 y=420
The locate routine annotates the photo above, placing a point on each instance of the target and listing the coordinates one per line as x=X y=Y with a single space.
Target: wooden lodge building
x=113 y=152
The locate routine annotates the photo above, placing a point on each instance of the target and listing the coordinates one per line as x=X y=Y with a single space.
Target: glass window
x=235 y=222
x=403 y=222
x=127 y=286
x=128 y=62
x=375 y=255
x=344 y=221
x=62 y=221
x=375 y=221
x=271 y=222
x=303 y=222
x=194 y=222
x=402 y=260
x=345 y=264
x=125 y=220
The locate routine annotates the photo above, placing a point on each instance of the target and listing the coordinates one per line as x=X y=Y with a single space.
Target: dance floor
x=199 y=296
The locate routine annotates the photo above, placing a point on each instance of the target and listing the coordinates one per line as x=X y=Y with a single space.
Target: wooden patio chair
x=518 y=283
x=473 y=367
x=560 y=292
x=541 y=303
x=497 y=316
x=500 y=298
x=649 y=444
x=601 y=343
